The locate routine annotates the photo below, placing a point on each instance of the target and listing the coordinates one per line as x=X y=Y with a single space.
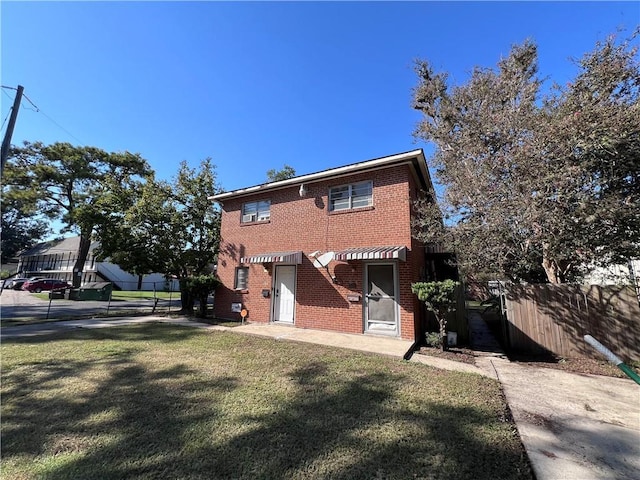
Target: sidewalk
x=572 y=426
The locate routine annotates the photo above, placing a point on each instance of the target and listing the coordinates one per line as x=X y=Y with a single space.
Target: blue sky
x=254 y=86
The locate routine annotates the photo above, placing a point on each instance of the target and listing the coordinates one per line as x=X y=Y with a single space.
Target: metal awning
x=278 y=257
x=373 y=253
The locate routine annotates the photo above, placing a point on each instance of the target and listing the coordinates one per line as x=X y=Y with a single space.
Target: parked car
x=17 y=282
x=38 y=286
x=6 y=283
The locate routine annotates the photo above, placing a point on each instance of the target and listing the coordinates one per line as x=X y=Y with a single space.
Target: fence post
x=49 y=307
x=109 y=302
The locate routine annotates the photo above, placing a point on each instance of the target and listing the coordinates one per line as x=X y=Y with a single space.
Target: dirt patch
x=540 y=421
x=456 y=354
x=587 y=366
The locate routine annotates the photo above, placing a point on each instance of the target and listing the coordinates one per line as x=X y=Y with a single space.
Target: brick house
x=331 y=250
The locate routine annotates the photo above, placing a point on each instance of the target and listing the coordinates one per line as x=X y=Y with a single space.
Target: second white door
x=284 y=293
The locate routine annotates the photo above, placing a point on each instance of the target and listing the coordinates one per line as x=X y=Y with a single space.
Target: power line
x=52 y=120
x=38 y=110
x=61 y=127
x=5 y=119
x=9 y=112
x=29 y=100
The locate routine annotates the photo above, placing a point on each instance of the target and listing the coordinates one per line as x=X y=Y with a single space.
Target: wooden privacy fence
x=555 y=318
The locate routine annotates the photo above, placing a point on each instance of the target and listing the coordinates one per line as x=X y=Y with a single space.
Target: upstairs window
x=256 y=211
x=346 y=197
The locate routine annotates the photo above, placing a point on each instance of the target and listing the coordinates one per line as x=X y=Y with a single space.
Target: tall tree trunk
x=203 y=306
x=442 y=322
x=187 y=300
x=139 y=282
x=83 y=253
x=552 y=269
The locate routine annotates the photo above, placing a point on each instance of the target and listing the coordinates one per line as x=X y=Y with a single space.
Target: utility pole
x=6 y=142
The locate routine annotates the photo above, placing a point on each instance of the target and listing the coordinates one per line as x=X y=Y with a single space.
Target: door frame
x=273 y=292
x=365 y=303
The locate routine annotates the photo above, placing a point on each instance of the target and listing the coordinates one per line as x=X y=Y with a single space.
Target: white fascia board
x=334 y=173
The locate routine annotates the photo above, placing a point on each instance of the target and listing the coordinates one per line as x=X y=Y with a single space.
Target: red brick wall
x=305 y=224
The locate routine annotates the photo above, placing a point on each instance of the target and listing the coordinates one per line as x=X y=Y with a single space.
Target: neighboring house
x=330 y=250
x=628 y=274
x=56 y=258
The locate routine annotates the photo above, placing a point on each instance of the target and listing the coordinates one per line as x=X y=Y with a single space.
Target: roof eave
x=375 y=164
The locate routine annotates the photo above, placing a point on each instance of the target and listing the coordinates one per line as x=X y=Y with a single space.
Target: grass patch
x=162 y=401
x=114 y=314
x=224 y=322
x=41 y=295
x=137 y=294
x=120 y=295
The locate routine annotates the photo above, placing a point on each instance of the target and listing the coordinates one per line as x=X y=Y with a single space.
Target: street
x=19 y=304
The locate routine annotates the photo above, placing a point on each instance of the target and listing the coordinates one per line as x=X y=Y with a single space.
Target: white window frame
x=259 y=211
x=238 y=282
x=350 y=188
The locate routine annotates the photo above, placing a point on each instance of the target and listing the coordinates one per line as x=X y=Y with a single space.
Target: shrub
x=199 y=287
x=433 y=339
x=440 y=299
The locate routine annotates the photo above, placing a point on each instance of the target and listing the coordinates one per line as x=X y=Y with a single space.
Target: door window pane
x=380 y=281
x=381 y=309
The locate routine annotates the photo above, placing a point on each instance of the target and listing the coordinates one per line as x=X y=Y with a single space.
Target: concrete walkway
x=572 y=426
x=366 y=343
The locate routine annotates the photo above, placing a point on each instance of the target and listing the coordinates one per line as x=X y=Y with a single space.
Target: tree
x=139 y=234
x=21 y=228
x=274 y=175
x=200 y=287
x=69 y=183
x=440 y=299
x=168 y=227
x=535 y=182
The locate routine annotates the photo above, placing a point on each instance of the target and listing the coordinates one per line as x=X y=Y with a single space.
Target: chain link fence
x=98 y=299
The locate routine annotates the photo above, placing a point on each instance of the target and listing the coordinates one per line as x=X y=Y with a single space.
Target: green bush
x=200 y=287
x=433 y=339
x=440 y=299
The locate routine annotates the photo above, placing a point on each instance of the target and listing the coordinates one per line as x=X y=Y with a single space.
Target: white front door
x=284 y=293
x=381 y=299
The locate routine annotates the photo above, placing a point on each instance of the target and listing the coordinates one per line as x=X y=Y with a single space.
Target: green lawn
x=133 y=294
x=128 y=295
x=162 y=401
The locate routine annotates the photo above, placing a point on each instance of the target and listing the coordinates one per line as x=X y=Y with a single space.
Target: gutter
x=369 y=165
